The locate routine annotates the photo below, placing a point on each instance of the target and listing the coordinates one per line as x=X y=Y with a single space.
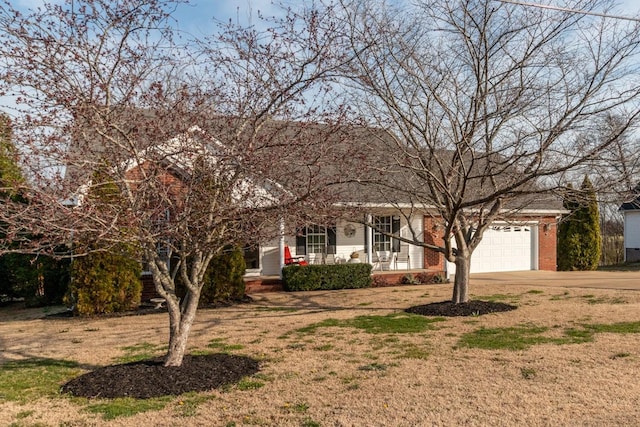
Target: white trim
x=281 y=244
x=400 y=206
x=369 y=232
x=535 y=246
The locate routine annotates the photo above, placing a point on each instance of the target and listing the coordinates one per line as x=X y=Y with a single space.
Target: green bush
x=40 y=280
x=224 y=279
x=579 y=238
x=105 y=282
x=326 y=277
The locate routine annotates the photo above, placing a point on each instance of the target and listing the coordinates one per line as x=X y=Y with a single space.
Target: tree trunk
x=461 y=280
x=180 y=322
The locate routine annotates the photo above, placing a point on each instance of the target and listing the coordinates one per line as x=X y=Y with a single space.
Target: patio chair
x=293 y=260
x=402 y=257
x=382 y=260
x=329 y=259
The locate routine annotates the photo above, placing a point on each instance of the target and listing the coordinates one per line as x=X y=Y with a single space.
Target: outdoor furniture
x=329 y=259
x=293 y=260
x=402 y=257
x=382 y=260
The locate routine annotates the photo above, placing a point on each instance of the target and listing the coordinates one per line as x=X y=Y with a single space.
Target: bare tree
x=208 y=141
x=489 y=105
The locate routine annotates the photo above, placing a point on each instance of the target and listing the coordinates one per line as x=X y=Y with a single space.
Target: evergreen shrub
x=105 y=282
x=224 y=279
x=579 y=238
x=326 y=277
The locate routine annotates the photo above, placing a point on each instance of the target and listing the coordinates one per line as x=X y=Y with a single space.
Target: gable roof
x=331 y=154
x=633 y=203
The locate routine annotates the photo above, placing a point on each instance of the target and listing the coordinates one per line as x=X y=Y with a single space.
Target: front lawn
x=348 y=357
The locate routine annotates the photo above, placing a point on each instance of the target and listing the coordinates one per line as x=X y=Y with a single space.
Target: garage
x=505 y=247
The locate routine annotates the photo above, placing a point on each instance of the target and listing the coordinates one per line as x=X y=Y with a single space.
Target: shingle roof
x=634 y=201
x=337 y=155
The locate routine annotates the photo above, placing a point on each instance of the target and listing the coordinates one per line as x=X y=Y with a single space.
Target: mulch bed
x=147 y=379
x=470 y=308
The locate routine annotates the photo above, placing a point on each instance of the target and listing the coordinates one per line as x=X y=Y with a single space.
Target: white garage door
x=503 y=248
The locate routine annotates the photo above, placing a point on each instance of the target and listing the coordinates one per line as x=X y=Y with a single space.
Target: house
x=528 y=243
x=377 y=222
x=631 y=213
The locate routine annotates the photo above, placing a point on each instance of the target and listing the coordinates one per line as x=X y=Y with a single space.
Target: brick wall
x=148 y=288
x=547 y=243
x=433 y=235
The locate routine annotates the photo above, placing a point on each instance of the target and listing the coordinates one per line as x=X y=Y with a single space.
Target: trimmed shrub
x=224 y=279
x=326 y=277
x=105 y=282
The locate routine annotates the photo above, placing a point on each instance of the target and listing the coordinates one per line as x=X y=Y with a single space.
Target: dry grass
x=345 y=376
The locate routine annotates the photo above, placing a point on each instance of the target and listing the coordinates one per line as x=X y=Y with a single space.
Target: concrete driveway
x=623 y=280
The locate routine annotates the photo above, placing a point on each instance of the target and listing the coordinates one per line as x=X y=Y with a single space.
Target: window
x=163 y=247
x=384 y=242
x=316 y=239
x=252 y=256
x=381 y=242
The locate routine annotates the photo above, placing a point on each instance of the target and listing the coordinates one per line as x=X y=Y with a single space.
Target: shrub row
x=326 y=277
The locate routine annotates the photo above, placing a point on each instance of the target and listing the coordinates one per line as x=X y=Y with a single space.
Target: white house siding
x=270 y=258
x=416 y=253
x=632 y=235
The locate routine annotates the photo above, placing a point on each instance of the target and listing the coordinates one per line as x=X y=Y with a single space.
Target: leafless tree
x=490 y=105
x=207 y=140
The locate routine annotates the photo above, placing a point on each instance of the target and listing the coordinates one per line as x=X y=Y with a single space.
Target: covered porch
x=347 y=242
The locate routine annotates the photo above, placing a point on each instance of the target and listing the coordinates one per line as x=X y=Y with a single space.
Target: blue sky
x=199 y=16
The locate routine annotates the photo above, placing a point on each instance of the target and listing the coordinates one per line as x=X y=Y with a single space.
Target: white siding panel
x=416 y=253
x=270 y=258
x=632 y=229
x=345 y=245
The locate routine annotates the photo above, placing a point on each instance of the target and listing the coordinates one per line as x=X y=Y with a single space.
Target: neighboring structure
x=631 y=213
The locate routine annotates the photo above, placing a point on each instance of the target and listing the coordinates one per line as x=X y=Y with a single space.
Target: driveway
x=622 y=280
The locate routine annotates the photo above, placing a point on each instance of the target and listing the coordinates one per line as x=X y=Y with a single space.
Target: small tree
x=195 y=136
x=488 y=104
x=579 y=238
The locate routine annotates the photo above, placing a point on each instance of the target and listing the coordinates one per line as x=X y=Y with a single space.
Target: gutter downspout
x=281 y=244
x=369 y=231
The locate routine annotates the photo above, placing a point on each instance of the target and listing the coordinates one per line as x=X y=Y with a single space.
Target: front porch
x=259 y=284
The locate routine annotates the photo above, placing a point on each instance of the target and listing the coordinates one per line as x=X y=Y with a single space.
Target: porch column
x=369 y=231
x=281 y=246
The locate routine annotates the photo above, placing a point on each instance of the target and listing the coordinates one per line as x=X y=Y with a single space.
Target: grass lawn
x=349 y=358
